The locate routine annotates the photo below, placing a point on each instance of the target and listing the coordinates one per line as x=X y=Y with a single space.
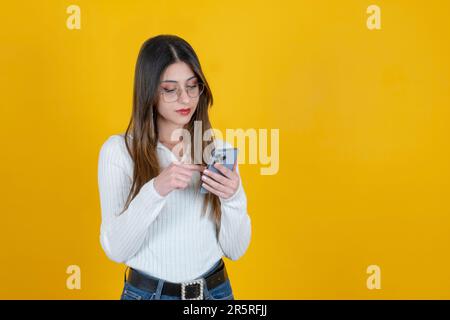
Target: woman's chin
x=181 y=122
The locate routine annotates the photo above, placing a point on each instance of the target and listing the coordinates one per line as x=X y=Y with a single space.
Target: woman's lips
x=184 y=112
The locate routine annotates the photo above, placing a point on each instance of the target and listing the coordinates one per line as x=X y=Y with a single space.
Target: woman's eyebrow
x=177 y=81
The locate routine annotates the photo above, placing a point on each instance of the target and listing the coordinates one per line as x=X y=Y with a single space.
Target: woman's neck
x=166 y=133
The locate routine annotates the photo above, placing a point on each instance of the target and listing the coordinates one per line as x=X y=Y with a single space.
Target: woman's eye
x=192 y=87
x=169 y=90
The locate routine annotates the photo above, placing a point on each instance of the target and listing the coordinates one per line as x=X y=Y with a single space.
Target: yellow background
x=364 y=140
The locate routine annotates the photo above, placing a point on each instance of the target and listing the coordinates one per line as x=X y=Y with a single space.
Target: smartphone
x=225 y=156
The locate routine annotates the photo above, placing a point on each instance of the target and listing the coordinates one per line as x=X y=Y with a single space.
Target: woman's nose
x=184 y=96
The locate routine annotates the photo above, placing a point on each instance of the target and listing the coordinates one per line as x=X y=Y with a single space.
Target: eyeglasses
x=172 y=95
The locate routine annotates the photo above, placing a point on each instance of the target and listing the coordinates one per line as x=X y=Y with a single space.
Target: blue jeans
x=220 y=292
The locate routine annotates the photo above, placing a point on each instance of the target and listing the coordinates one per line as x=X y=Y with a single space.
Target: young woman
x=170 y=236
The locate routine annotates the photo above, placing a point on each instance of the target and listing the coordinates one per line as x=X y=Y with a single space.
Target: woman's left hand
x=219 y=185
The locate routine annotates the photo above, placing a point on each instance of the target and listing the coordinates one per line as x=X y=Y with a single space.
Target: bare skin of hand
x=175 y=176
x=222 y=186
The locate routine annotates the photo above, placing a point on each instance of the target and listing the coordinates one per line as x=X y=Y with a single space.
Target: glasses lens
x=170 y=95
x=195 y=90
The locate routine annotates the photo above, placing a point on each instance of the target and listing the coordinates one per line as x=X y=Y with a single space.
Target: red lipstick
x=184 y=112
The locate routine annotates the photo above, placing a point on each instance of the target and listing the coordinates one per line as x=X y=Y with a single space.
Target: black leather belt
x=191 y=290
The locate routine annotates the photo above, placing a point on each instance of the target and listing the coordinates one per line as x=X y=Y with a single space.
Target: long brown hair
x=155 y=55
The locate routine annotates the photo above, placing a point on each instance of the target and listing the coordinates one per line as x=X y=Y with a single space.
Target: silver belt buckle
x=192 y=285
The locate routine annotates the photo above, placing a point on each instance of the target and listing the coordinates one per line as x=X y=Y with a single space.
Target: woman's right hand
x=175 y=176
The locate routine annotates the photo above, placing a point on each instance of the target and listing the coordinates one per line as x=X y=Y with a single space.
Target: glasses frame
x=178 y=92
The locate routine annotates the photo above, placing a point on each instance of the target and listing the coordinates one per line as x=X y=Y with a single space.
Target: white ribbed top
x=165 y=237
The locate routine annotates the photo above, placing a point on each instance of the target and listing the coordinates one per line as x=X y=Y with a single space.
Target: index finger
x=194 y=167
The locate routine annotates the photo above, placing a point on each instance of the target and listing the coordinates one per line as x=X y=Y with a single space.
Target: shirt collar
x=160 y=145
x=172 y=156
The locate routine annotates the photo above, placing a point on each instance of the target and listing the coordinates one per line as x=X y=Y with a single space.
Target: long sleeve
x=121 y=236
x=235 y=229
